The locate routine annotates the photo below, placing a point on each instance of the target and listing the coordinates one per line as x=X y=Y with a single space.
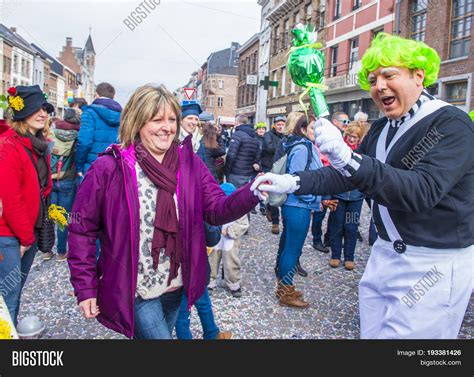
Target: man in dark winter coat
x=243 y=154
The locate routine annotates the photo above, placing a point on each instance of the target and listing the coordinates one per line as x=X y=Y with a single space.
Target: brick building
x=445 y=25
x=351 y=26
x=219 y=82
x=6 y=51
x=283 y=17
x=248 y=78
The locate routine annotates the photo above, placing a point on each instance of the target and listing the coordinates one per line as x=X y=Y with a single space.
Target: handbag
x=46 y=234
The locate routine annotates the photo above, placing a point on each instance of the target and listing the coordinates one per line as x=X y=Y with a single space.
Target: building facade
x=248 y=78
x=447 y=26
x=219 y=83
x=6 y=54
x=283 y=17
x=351 y=26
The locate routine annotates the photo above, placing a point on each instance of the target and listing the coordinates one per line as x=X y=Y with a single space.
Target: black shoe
x=300 y=271
x=359 y=237
x=237 y=293
x=253 y=212
x=263 y=211
x=320 y=247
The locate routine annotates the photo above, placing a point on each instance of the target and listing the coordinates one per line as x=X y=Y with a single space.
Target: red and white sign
x=189 y=92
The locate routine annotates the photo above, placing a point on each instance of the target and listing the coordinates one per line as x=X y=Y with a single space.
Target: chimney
x=13 y=29
x=69 y=41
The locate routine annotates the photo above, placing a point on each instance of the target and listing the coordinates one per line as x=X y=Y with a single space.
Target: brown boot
x=275 y=228
x=334 y=263
x=281 y=289
x=289 y=299
x=224 y=335
x=349 y=265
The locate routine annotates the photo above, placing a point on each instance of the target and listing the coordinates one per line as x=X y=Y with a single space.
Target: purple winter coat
x=107 y=202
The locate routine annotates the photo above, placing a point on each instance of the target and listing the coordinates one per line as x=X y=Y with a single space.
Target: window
x=333 y=68
x=211 y=101
x=418 y=20
x=322 y=19
x=292 y=87
x=274 y=78
x=461 y=28
x=337 y=9
x=283 y=81
x=354 y=53
x=276 y=37
x=376 y=31
x=221 y=84
x=309 y=12
x=15 y=64
x=356 y=4
x=456 y=94
x=23 y=67
x=297 y=18
x=220 y=101
x=286 y=34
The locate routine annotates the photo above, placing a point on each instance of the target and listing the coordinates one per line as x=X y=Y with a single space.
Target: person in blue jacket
x=99 y=127
x=296 y=211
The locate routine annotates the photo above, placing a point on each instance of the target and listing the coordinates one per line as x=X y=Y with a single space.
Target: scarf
x=166 y=232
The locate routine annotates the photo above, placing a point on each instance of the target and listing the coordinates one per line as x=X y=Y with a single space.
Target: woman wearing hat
x=146 y=200
x=25 y=177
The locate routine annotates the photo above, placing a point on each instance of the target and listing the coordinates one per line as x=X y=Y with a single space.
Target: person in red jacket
x=24 y=176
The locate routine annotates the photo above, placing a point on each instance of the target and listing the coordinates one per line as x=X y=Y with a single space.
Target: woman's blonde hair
x=291 y=122
x=358 y=128
x=143 y=105
x=21 y=127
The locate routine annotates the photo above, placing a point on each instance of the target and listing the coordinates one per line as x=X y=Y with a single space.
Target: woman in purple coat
x=146 y=200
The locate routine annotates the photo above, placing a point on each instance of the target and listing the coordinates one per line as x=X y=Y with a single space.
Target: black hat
x=26 y=100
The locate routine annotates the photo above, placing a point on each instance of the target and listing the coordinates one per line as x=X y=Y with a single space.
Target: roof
x=249 y=43
x=89 y=45
x=224 y=61
x=16 y=39
x=56 y=66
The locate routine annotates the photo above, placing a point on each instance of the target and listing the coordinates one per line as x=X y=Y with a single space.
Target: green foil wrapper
x=306 y=65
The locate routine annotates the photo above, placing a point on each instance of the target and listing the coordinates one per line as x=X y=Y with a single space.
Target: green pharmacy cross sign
x=266 y=83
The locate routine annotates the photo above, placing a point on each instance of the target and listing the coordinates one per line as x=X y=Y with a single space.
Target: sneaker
x=237 y=293
x=334 y=263
x=349 y=266
x=61 y=257
x=320 y=247
x=48 y=256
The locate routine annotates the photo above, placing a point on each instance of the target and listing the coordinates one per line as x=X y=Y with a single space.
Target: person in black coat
x=211 y=148
x=243 y=154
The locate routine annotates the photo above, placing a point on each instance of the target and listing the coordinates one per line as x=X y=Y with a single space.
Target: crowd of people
x=156 y=201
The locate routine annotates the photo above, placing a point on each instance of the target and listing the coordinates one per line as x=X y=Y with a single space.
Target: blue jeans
x=13 y=272
x=316 y=226
x=204 y=308
x=63 y=194
x=156 y=318
x=345 y=223
x=295 y=228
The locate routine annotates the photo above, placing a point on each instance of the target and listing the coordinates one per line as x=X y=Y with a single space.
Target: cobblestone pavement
x=332 y=294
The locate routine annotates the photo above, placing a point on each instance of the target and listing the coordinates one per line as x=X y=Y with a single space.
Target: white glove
x=330 y=142
x=261 y=196
x=279 y=184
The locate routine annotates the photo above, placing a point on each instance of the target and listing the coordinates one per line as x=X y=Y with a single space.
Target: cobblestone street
x=332 y=294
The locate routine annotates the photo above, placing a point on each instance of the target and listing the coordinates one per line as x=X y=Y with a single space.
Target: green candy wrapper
x=306 y=66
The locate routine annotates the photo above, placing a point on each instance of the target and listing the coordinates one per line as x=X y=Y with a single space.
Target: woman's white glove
x=330 y=142
x=275 y=183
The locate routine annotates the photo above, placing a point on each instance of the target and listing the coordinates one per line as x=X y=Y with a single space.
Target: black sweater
x=431 y=198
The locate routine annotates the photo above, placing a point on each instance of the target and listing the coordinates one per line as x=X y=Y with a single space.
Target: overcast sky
x=173 y=41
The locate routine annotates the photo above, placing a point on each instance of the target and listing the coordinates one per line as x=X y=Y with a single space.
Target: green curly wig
x=471 y=114
x=391 y=51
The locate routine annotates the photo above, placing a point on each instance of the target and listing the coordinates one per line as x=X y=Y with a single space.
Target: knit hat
x=190 y=108
x=228 y=188
x=72 y=116
x=26 y=100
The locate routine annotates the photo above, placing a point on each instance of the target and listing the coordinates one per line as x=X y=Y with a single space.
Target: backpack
x=280 y=167
x=62 y=157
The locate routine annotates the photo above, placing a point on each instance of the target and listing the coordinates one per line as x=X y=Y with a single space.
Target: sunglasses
x=344 y=121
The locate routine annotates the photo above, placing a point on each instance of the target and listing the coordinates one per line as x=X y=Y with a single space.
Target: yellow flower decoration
x=57 y=214
x=16 y=103
x=5 y=330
